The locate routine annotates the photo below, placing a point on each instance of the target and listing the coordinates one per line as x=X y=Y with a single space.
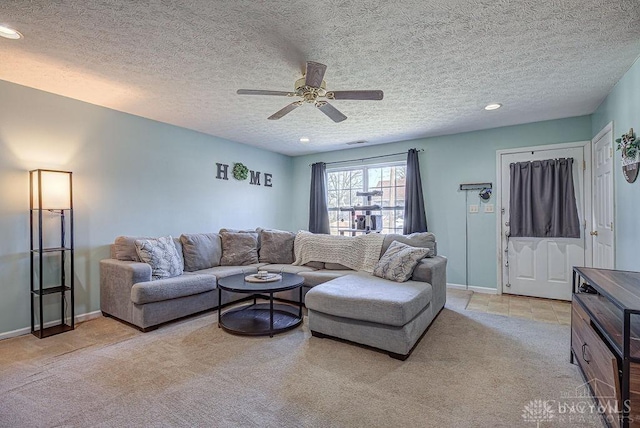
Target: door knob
x=594 y=233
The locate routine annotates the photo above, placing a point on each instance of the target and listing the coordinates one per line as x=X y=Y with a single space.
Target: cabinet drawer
x=579 y=311
x=634 y=394
x=598 y=363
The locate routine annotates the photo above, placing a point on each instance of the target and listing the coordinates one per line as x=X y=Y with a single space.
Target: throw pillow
x=399 y=261
x=418 y=239
x=239 y=249
x=201 y=251
x=276 y=246
x=255 y=232
x=162 y=255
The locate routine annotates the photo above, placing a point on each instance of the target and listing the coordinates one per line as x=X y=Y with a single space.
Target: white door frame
x=587 y=147
x=599 y=135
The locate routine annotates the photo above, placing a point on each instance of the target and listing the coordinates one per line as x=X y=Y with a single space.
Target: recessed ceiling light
x=304 y=139
x=493 y=106
x=9 y=33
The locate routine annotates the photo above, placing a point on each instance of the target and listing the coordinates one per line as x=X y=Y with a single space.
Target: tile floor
x=546 y=310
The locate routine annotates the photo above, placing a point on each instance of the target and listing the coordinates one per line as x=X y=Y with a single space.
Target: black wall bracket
x=475 y=186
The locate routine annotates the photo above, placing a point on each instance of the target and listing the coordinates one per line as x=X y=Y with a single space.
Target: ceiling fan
x=311 y=88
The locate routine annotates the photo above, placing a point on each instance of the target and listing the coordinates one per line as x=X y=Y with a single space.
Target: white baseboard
x=475 y=289
x=26 y=330
x=88 y=316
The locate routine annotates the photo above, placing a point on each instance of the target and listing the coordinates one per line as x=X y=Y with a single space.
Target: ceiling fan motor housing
x=310 y=94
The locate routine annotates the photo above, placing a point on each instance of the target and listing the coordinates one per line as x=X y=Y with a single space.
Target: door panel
x=557 y=253
x=525 y=260
x=542 y=267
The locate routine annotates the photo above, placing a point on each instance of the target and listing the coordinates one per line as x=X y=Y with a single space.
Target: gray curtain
x=415 y=219
x=318 y=212
x=543 y=202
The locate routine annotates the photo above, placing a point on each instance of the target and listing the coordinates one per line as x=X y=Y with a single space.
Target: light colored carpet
x=470 y=370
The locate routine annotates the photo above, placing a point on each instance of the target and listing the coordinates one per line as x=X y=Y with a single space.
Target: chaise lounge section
x=368 y=310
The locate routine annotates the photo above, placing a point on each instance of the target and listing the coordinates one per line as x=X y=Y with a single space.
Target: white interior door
x=542 y=267
x=602 y=228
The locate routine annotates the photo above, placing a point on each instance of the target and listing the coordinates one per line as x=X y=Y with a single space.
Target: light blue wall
x=446 y=162
x=622 y=106
x=136 y=176
x=132 y=176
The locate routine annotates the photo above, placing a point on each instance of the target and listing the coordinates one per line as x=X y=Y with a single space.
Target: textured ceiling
x=439 y=62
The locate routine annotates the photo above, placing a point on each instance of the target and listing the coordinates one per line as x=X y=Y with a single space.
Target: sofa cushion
x=361 y=296
x=398 y=261
x=171 y=288
x=239 y=249
x=201 y=250
x=315 y=265
x=161 y=254
x=125 y=248
x=311 y=279
x=418 y=239
x=277 y=268
x=224 y=271
x=276 y=246
x=335 y=266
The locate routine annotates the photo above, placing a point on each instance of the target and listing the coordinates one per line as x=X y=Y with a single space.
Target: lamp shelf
x=51 y=250
x=53 y=330
x=51 y=191
x=51 y=290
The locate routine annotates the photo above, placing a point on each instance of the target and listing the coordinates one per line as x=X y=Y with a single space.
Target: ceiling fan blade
x=355 y=95
x=288 y=109
x=314 y=74
x=261 y=92
x=331 y=111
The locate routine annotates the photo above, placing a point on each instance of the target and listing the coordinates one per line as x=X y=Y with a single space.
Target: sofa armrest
x=116 y=279
x=434 y=271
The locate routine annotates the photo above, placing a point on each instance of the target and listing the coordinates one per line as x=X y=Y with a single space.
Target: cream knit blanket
x=360 y=252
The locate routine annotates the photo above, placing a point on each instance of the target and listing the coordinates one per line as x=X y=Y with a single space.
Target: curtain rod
x=371 y=157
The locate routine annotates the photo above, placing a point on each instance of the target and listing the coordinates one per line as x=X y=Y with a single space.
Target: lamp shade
x=51 y=190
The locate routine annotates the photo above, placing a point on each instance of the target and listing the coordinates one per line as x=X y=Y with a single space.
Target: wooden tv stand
x=605 y=340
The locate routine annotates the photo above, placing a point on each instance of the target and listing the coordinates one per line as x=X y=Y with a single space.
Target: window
x=343 y=184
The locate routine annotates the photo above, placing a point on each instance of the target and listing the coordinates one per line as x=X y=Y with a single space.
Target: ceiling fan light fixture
x=304 y=139
x=9 y=33
x=493 y=106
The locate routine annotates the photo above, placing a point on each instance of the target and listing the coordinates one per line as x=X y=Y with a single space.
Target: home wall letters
x=241 y=172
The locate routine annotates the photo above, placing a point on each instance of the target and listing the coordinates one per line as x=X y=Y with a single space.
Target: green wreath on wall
x=240 y=171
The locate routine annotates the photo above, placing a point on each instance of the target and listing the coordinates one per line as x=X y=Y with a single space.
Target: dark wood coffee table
x=260 y=319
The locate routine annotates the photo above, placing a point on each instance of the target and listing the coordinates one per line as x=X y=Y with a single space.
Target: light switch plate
x=473 y=209
x=488 y=208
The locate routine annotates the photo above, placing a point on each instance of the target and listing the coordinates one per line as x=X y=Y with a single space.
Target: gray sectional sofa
x=342 y=303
